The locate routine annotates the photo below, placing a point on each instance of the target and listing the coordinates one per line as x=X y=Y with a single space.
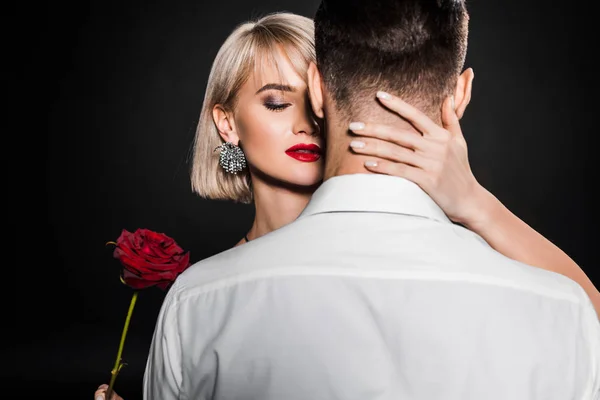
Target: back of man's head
x=412 y=48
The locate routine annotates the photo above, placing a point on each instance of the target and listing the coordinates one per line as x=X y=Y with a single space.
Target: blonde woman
x=258 y=142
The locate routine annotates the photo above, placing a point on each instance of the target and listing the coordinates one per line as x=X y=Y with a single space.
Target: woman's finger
x=413 y=115
x=402 y=137
x=389 y=151
x=413 y=174
x=99 y=394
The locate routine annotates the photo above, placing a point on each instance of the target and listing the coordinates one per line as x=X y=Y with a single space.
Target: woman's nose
x=308 y=126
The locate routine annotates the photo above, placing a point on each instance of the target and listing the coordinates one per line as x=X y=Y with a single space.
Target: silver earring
x=231 y=158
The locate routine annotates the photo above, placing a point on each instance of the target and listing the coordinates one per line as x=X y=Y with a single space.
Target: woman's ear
x=315 y=90
x=225 y=124
x=462 y=92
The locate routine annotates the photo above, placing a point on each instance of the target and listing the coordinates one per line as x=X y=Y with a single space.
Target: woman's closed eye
x=275 y=105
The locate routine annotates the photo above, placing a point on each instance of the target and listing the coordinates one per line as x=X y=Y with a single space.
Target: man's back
x=374 y=294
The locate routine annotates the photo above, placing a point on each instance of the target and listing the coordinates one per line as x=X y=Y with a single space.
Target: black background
x=121 y=85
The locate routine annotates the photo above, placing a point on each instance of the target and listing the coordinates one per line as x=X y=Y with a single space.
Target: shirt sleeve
x=163 y=375
x=591 y=325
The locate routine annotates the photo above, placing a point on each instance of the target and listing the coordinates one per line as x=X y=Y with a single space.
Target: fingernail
x=370 y=163
x=99 y=397
x=383 y=95
x=452 y=102
x=356 y=144
x=356 y=126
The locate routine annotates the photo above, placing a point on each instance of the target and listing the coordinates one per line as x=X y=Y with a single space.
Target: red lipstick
x=304 y=152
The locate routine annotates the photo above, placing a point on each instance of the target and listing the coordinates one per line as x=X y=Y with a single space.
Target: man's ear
x=462 y=92
x=315 y=90
x=225 y=124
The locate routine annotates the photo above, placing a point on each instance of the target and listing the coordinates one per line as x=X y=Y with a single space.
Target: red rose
x=149 y=259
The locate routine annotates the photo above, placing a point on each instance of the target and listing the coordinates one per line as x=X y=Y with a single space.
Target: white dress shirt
x=373 y=294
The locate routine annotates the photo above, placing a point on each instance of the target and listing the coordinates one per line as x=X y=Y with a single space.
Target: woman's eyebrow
x=276 y=86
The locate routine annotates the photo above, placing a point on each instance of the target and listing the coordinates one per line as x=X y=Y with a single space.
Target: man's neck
x=340 y=158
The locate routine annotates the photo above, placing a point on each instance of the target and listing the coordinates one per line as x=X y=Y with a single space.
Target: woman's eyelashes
x=275 y=105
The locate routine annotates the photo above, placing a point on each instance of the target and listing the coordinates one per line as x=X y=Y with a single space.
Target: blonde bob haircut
x=249 y=47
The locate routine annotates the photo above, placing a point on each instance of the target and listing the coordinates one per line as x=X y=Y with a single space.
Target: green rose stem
x=118 y=363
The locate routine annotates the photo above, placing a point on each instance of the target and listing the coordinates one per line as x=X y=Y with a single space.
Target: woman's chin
x=301 y=179
x=308 y=180
x=301 y=183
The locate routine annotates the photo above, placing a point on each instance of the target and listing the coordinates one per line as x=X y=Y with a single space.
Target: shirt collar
x=373 y=193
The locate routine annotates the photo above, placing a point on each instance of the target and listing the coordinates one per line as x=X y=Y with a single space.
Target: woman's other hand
x=101 y=393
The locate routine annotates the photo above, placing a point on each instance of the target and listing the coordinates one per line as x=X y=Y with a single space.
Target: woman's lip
x=304 y=156
x=303 y=146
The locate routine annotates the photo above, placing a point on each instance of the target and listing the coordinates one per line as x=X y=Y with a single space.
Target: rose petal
x=138 y=283
x=152 y=275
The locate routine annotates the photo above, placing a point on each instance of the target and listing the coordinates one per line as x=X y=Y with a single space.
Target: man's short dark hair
x=412 y=48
